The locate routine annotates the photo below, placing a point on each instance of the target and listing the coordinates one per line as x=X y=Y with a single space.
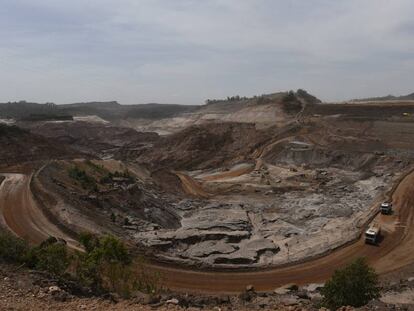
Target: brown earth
x=93 y=138
x=23 y=290
x=19 y=146
x=351 y=136
x=395 y=251
x=206 y=146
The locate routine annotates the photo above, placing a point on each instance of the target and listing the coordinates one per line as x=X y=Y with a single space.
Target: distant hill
x=23 y=109
x=385 y=98
x=291 y=102
x=107 y=110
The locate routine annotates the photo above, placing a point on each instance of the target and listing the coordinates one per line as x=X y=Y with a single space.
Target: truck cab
x=386 y=208
x=372 y=234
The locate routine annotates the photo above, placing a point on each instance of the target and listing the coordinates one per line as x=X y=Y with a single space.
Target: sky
x=187 y=51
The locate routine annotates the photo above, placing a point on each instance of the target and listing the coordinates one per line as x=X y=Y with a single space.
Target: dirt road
x=396 y=250
x=22 y=216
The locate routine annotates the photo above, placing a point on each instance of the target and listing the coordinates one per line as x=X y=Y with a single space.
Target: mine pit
x=290 y=213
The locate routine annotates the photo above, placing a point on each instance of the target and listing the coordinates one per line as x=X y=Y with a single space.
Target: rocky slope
x=95 y=138
x=205 y=146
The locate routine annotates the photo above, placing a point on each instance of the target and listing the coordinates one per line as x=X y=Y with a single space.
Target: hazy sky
x=185 y=51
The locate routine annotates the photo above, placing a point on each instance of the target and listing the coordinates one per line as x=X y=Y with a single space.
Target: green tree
x=105 y=264
x=355 y=285
x=51 y=255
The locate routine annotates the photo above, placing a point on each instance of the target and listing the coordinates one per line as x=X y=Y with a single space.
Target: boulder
x=285 y=289
x=289 y=301
x=141 y=297
x=313 y=287
x=54 y=289
x=173 y=301
x=247 y=295
x=281 y=291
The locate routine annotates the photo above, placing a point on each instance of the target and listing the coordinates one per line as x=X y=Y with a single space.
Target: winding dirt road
x=20 y=213
x=26 y=220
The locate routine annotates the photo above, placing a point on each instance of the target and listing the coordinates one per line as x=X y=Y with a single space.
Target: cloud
x=185 y=51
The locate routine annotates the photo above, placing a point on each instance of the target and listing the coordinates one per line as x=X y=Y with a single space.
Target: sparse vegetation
x=51 y=256
x=290 y=103
x=12 y=249
x=86 y=181
x=355 y=285
x=229 y=99
x=99 y=168
x=106 y=265
x=109 y=177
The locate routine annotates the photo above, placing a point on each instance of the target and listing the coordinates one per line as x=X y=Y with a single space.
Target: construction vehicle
x=372 y=234
x=386 y=208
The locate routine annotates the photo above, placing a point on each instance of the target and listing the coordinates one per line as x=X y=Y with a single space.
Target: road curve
x=25 y=219
x=395 y=251
x=20 y=213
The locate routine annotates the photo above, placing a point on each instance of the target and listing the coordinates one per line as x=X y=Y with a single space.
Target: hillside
x=95 y=138
x=20 y=145
x=107 y=110
x=169 y=118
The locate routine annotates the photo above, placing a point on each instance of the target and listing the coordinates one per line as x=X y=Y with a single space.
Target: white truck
x=386 y=208
x=372 y=234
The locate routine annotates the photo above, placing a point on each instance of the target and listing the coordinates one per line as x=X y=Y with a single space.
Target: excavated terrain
x=18 y=146
x=279 y=185
x=241 y=195
x=91 y=135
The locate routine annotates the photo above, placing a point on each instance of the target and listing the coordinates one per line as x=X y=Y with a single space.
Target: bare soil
x=217 y=184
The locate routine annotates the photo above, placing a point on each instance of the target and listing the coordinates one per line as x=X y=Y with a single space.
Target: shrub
x=289 y=97
x=106 y=264
x=88 y=240
x=290 y=104
x=86 y=181
x=12 y=249
x=50 y=255
x=355 y=285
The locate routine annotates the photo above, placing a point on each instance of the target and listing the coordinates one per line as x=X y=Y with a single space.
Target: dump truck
x=372 y=234
x=386 y=208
